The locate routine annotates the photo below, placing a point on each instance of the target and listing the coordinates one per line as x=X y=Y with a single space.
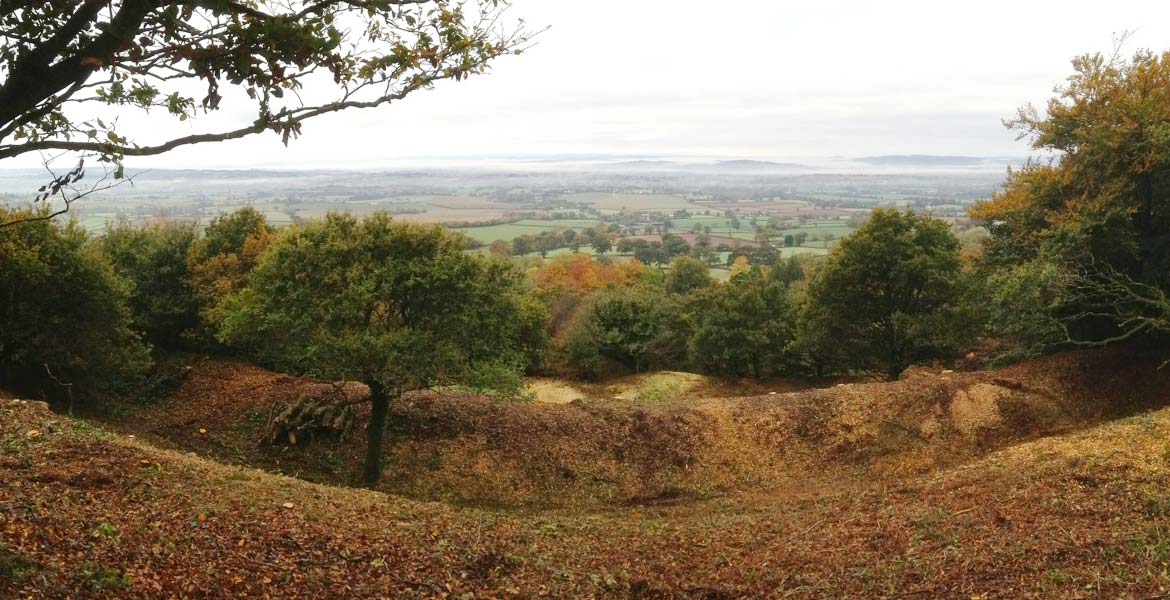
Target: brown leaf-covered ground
x=599 y=453
x=947 y=502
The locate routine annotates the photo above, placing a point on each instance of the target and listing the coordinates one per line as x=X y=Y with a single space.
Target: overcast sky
x=766 y=79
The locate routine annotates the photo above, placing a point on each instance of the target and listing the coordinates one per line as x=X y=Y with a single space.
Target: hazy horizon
x=763 y=81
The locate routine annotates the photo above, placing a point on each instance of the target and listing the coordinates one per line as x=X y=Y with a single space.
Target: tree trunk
x=379 y=410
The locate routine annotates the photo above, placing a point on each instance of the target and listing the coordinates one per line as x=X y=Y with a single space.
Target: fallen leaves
x=258 y=535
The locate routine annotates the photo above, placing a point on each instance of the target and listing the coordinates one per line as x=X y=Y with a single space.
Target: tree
x=674 y=245
x=152 y=260
x=396 y=306
x=547 y=242
x=687 y=274
x=1020 y=304
x=744 y=327
x=1101 y=212
x=500 y=248
x=651 y=253
x=522 y=245
x=620 y=324
x=702 y=249
x=887 y=296
x=564 y=281
x=58 y=58
x=789 y=271
x=602 y=244
x=218 y=264
x=64 y=323
x=739 y=266
x=582 y=275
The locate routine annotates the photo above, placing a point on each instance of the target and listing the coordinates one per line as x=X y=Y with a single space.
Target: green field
x=565 y=223
x=837 y=230
x=610 y=201
x=507 y=232
x=705 y=221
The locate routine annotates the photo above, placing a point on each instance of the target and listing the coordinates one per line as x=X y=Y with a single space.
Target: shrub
x=64 y=311
x=743 y=327
x=618 y=324
x=888 y=295
x=152 y=260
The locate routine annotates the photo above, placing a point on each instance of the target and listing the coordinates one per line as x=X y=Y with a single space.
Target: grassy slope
x=602 y=453
x=1080 y=514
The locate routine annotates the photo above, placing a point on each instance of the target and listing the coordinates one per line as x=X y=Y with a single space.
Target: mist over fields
x=477 y=190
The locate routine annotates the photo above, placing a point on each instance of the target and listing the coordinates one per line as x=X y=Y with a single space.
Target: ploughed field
x=1048 y=480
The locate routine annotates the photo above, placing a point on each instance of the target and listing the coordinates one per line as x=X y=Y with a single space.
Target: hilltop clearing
x=1077 y=515
x=605 y=452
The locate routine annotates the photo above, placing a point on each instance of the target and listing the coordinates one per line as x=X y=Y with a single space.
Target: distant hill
x=757 y=165
x=648 y=164
x=721 y=166
x=922 y=160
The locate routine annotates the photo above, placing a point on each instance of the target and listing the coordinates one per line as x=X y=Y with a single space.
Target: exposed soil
x=599 y=452
x=1020 y=483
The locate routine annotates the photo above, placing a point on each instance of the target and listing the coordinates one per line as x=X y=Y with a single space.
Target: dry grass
x=661 y=387
x=1021 y=483
x=669 y=443
x=552 y=391
x=1083 y=515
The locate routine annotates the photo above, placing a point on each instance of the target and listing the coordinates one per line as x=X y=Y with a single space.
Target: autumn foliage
x=580 y=274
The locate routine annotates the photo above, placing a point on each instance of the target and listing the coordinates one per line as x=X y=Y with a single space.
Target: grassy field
x=837 y=229
x=612 y=201
x=510 y=231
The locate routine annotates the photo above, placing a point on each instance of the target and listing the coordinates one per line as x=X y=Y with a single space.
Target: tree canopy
x=887 y=295
x=620 y=324
x=1096 y=219
x=397 y=306
x=152 y=260
x=70 y=69
x=743 y=327
x=64 y=321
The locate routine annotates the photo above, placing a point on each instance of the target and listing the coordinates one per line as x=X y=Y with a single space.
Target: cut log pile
x=310 y=418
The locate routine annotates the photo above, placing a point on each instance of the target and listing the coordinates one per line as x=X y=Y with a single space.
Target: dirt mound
x=221 y=409
x=489 y=452
x=84 y=513
x=657 y=387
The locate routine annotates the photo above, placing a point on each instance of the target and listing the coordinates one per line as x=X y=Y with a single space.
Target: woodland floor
x=1006 y=484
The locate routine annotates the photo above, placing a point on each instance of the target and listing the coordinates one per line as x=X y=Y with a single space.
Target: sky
x=761 y=79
